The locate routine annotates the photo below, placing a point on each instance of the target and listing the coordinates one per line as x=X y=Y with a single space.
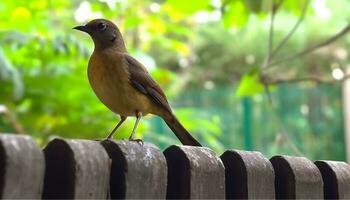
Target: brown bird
x=123 y=84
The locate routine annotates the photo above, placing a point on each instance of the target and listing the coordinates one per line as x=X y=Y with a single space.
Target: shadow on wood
x=76 y=169
x=248 y=175
x=138 y=171
x=336 y=178
x=296 y=178
x=22 y=167
x=194 y=173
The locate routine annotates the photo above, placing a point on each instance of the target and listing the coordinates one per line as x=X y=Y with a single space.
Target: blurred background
x=234 y=78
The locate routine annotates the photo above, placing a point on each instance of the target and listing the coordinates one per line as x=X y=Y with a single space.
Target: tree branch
x=330 y=40
x=272 y=22
x=274 y=9
x=291 y=32
x=306 y=79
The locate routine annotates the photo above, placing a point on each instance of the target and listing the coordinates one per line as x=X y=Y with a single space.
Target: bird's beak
x=82 y=28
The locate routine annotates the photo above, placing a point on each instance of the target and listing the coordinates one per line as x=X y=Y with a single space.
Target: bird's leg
x=138 y=118
x=122 y=119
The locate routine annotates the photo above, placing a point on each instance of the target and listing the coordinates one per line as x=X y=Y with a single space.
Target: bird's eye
x=101 y=26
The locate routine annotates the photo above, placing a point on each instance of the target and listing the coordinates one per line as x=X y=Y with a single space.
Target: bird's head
x=104 y=33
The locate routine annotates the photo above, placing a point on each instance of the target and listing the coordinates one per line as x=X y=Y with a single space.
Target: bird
x=123 y=84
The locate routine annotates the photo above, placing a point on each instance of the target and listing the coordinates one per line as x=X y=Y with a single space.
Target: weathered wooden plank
x=296 y=178
x=138 y=171
x=249 y=175
x=194 y=173
x=336 y=178
x=22 y=167
x=76 y=169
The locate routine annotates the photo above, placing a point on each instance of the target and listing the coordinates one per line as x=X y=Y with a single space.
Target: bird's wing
x=142 y=81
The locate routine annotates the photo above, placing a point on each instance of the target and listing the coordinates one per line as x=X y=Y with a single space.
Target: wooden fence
x=82 y=169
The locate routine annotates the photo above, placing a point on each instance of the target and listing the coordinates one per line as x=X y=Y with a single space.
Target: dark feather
x=138 y=86
x=144 y=83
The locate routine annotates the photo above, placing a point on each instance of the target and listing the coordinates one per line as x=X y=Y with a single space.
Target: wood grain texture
x=76 y=169
x=336 y=178
x=194 y=173
x=138 y=171
x=22 y=167
x=249 y=175
x=297 y=178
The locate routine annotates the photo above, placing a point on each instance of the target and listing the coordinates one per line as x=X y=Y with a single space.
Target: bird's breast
x=109 y=80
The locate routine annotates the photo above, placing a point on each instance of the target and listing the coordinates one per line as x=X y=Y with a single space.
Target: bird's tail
x=184 y=136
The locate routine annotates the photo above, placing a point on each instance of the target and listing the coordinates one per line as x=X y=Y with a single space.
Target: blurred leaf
x=24 y=106
x=21 y=18
x=249 y=85
x=174 y=14
x=235 y=14
x=293 y=6
x=163 y=76
x=38 y=4
x=157 y=25
x=254 y=5
x=180 y=47
x=132 y=21
x=189 y=7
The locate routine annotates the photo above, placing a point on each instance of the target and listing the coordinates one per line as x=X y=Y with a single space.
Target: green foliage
x=249 y=85
x=187 y=8
x=236 y=14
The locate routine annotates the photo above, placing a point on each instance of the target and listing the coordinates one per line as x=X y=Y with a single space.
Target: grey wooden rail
x=297 y=178
x=138 y=171
x=248 y=175
x=194 y=173
x=22 y=167
x=336 y=176
x=76 y=169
